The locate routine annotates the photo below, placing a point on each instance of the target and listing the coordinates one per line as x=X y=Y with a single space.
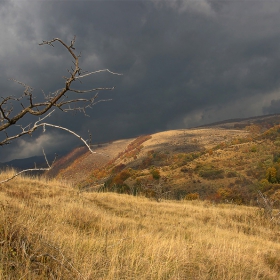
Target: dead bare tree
x=267 y=204
x=10 y=117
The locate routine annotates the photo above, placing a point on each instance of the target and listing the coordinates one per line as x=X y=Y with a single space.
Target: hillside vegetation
x=225 y=162
x=52 y=230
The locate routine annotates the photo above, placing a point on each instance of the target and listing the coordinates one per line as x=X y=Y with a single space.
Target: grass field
x=50 y=230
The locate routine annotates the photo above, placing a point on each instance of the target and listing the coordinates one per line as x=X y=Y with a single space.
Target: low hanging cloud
x=50 y=142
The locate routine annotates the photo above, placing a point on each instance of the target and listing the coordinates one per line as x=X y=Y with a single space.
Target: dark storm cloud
x=184 y=63
x=273 y=107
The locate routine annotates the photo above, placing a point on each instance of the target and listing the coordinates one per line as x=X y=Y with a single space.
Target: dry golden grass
x=49 y=230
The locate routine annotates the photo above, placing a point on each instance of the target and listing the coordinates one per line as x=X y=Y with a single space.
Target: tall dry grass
x=49 y=230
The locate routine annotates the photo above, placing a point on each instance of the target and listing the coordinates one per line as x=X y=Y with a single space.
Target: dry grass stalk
x=49 y=230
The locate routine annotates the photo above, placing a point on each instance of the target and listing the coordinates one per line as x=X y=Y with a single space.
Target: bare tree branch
x=37 y=125
x=90 y=90
x=98 y=71
x=23 y=171
x=9 y=116
x=31 y=169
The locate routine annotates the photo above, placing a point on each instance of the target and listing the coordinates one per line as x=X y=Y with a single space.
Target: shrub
x=253 y=149
x=121 y=177
x=231 y=174
x=184 y=169
x=276 y=157
x=212 y=173
x=155 y=173
x=237 y=195
x=118 y=168
x=192 y=196
x=271 y=174
x=146 y=162
x=264 y=185
x=277 y=143
x=225 y=193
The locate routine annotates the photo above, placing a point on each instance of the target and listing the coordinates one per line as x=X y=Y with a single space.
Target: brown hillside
x=78 y=164
x=217 y=163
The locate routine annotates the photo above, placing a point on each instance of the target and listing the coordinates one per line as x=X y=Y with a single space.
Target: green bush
x=155 y=173
x=276 y=157
x=277 y=143
x=253 y=149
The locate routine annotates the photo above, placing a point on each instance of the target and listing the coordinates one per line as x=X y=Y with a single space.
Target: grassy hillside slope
x=50 y=230
x=228 y=161
x=79 y=163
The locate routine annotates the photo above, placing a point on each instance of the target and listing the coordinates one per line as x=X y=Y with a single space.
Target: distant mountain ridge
x=26 y=163
x=250 y=120
x=40 y=160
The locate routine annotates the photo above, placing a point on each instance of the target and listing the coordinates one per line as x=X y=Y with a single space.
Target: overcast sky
x=184 y=63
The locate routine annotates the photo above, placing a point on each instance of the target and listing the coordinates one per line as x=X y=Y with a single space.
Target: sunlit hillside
x=228 y=161
x=51 y=230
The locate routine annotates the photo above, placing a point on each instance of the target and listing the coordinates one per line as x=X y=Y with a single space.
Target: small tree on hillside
x=28 y=104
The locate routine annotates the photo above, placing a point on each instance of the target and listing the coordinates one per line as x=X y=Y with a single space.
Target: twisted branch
x=9 y=117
